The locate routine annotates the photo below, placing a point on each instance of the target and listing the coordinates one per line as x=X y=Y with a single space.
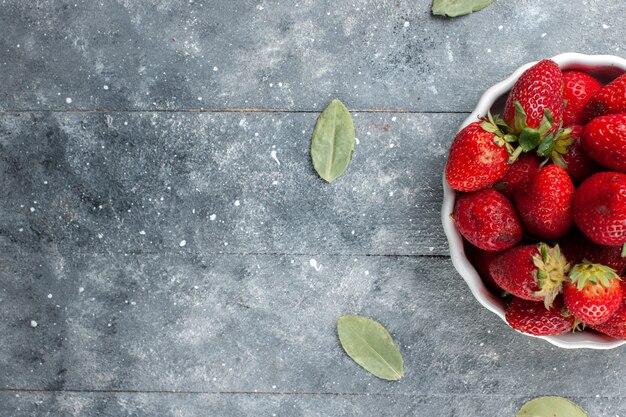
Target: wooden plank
x=124 y=55
x=220 y=183
x=26 y=404
x=266 y=323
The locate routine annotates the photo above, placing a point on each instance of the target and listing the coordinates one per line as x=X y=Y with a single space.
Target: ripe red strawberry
x=518 y=175
x=482 y=259
x=615 y=326
x=531 y=272
x=611 y=99
x=475 y=161
x=578 y=88
x=488 y=220
x=577 y=247
x=604 y=139
x=545 y=204
x=534 y=318
x=600 y=208
x=579 y=165
x=538 y=89
x=592 y=293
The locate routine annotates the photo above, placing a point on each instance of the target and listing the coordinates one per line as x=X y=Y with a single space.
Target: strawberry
x=604 y=139
x=577 y=247
x=518 y=175
x=534 y=318
x=534 y=108
x=615 y=326
x=545 y=204
x=578 y=88
x=611 y=99
x=600 y=208
x=578 y=164
x=488 y=220
x=531 y=272
x=475 y=161
x=482 y=259
x=592 y=293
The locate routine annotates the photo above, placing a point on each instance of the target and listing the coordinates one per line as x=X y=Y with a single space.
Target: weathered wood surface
x=163 y=239
x=112 y=404
x=222 y=182
x=294 y=55
x=265 y=323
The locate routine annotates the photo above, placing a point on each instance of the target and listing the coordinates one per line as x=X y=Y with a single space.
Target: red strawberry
x=538 y=89
x=592 y=293
x=531 y=272
x=518 y=175
x=475 y=161
x=487 y=219
x=615 y=326
x=579 y=165
x=600 y=208
x=604 y=139
x=577 y=247
x=578 y=88
x=534 y=318
x=545 y=204
x=611 y=99
x=482 y=259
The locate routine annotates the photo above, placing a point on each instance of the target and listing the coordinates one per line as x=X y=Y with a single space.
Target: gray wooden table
x=159 y=215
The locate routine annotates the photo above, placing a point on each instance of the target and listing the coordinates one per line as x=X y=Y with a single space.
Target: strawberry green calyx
x=546 y=125
x=548 y=140
x=578 y=325
x=497 y=126
x=552 y=270
x=587 y=272
x=554 y=147
x=623 y=254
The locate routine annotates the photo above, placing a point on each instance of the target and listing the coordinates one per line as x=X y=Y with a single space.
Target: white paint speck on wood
x=314 y=264
x=274 y=157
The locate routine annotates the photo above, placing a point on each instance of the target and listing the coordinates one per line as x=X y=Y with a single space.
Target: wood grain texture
x=294 y=55
x=26 y=404
x=223 y=183
x=161 y=221
x=265 y=323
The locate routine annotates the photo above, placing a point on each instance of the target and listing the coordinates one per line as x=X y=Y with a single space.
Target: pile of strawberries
x=541 y=201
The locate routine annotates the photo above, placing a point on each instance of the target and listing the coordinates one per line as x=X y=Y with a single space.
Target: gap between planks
x=40 y=391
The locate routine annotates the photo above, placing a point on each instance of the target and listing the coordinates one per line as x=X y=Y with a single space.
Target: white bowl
x=604 y=67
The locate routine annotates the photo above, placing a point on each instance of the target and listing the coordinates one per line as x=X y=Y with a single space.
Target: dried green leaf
x=453 y=8
x=551 y=407
x=333 y=141
x=370 y=345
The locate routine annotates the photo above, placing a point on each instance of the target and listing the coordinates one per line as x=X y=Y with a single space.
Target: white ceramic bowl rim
x=569 y=60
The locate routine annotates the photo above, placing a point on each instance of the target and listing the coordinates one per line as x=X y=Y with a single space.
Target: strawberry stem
x=518 y=151
x=624 y=250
